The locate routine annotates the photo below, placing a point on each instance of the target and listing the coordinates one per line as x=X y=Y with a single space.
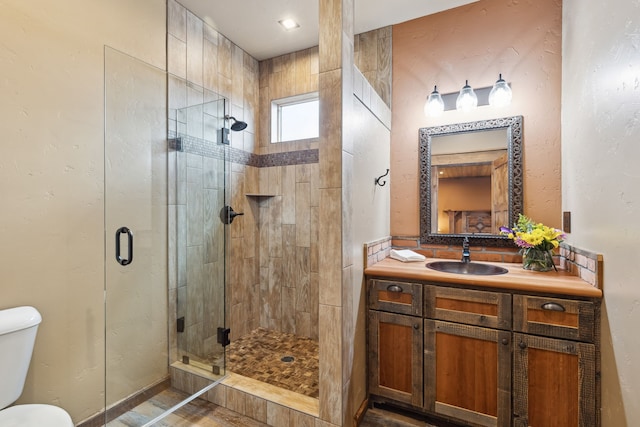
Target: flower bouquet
x=536 y=240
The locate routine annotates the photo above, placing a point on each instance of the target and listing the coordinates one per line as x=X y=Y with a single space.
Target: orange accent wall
x=523 y=41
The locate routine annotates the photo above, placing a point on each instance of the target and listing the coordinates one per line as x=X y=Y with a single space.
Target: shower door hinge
x=180 y=324
x=223 y=136
x=223 y=336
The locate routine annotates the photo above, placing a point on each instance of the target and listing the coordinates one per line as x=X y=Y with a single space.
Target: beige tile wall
x=335 y=237
x=274 y=283
x=287 y=75
x=373 y=56
x=288 y=218
x=288 y=251
x=273 y=269
x=203 y=65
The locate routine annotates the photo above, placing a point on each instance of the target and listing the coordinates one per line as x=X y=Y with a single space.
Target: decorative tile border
x=214 y=150
x=288 y=158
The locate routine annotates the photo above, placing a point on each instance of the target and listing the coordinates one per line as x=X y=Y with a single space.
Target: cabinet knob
x=522 y=345
x=505 y=341
x=416 y=326
x=394 y=288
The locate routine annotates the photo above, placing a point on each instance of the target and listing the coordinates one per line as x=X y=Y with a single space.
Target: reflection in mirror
x=470 y=180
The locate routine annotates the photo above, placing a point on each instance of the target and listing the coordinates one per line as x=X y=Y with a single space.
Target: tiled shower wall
x=289 y=220
x=273 y=270
x=272 y=276
x=204 y=65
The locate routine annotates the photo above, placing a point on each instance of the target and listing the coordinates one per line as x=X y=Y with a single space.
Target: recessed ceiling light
x=289 y=24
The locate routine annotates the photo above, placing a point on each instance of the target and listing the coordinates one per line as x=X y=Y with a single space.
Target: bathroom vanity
x=518 y=349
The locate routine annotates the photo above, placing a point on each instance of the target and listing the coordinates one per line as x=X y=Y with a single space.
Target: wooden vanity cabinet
x=395 y=341
x=467 y=366
x=485 y=357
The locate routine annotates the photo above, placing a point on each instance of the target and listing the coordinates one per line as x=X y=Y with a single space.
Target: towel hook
x=380 y=177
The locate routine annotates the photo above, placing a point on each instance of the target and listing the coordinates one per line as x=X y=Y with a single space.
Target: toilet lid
x=35 y=415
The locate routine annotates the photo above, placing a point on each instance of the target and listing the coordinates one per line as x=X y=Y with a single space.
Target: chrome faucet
x=466 y=255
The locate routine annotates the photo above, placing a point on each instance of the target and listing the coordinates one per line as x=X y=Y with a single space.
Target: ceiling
x=253 y=24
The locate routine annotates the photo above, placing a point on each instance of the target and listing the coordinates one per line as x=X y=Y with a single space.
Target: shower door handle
x=119 y=232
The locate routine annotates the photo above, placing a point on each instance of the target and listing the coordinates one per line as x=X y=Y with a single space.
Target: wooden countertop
x=551 y=282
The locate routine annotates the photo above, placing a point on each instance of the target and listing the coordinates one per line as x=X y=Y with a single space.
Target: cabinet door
x=467 y=373
x=554 y=382
x=395 y=357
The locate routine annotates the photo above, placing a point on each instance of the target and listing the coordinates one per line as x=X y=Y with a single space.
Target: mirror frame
x=513 y=125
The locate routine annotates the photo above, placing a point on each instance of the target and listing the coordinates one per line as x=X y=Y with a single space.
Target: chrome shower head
x=237 y=125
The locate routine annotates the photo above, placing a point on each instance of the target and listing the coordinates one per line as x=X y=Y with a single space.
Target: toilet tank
x=18 y=327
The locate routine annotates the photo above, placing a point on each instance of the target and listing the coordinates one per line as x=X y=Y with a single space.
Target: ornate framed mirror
x=470 y=181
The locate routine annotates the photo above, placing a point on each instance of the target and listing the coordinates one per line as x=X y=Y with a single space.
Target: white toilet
x=18 y=327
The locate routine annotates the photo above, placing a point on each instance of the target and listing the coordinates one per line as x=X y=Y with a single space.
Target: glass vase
x=537 y=259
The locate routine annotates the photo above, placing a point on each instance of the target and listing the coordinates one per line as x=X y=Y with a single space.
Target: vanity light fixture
x=467 y=99
x=434 y=106
x=500 y=95
x=289 y=24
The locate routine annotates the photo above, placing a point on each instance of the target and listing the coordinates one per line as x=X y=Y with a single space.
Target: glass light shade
x=467 y=99
x=434 y=106
x=500 y=95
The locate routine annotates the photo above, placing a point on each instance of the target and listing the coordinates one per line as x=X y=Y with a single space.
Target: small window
x=295 y=118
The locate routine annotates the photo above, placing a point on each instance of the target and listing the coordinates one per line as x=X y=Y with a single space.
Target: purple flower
x=506 y=230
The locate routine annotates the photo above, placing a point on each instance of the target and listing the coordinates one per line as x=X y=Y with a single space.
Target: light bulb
x=501 y=94
x=434 y=106
x=467 y=99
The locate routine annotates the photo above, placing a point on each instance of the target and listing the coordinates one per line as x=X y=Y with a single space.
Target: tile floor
x=196 y=413
x=258 y=355
x=283 y=360
x=200 y=413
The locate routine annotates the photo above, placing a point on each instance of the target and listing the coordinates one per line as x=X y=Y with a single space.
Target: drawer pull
x=394 y=288
x=552 y=306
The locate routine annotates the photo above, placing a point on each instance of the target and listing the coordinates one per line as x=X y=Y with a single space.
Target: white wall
x=51 y=178
x=370 y=206
x=601 y=179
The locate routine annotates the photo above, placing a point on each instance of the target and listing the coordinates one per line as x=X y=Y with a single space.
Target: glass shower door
x=165 y=240
x=135 y=223
x=200 y=157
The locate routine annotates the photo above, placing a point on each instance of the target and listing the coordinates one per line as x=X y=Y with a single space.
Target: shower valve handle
x=227 y=214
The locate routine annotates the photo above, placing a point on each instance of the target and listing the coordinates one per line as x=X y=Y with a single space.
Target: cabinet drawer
x=554 y=317
x=396 y=297
x=480 y=308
